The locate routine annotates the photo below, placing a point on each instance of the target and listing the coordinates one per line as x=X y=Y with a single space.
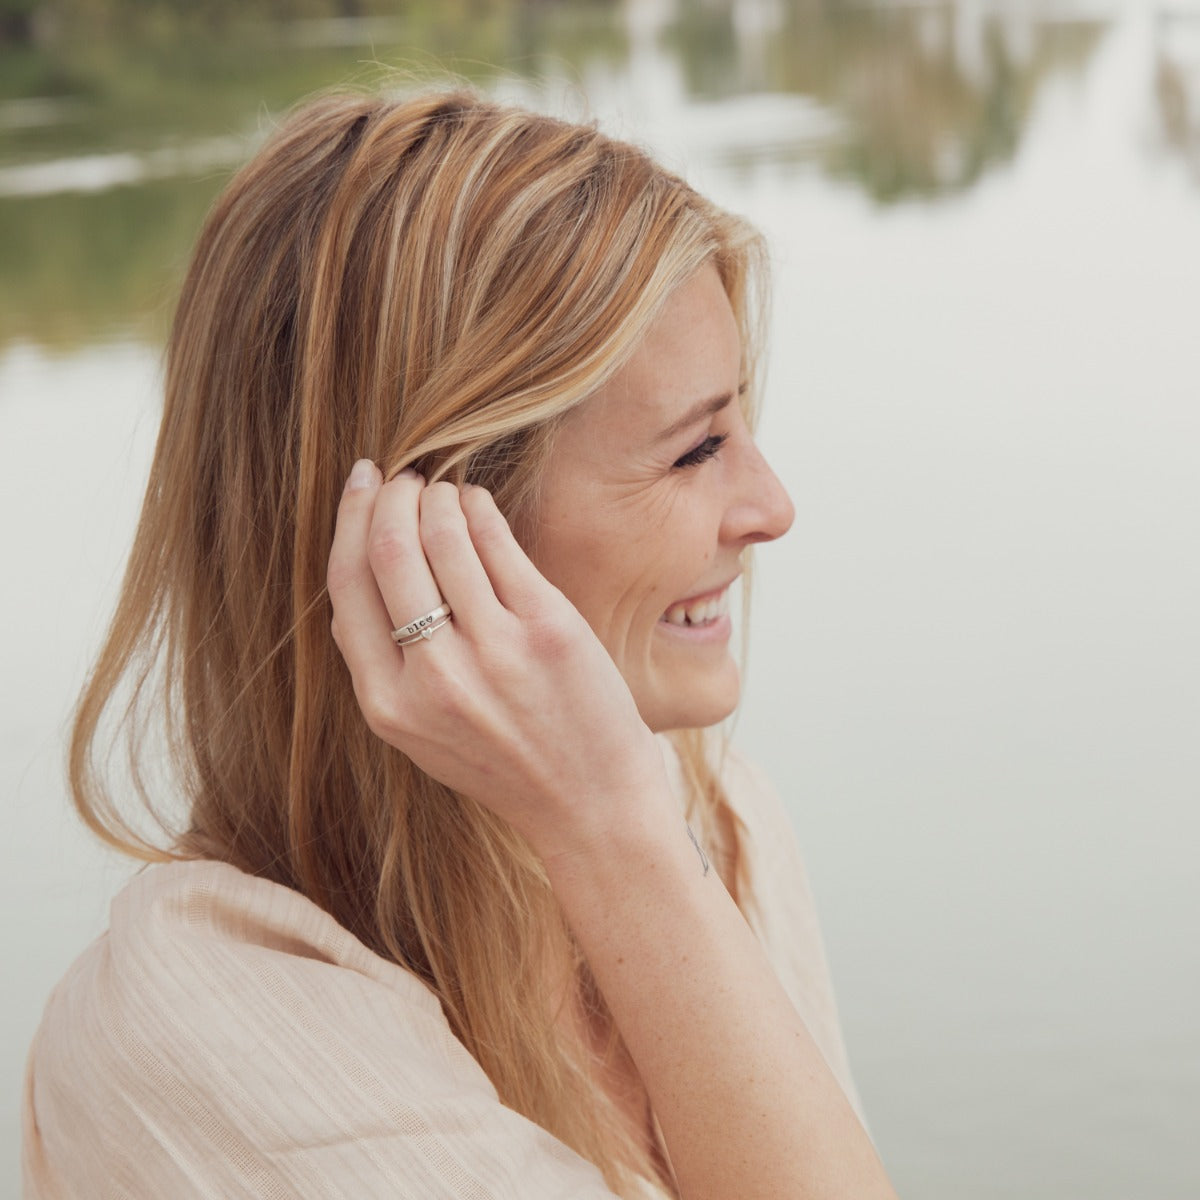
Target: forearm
x=746 y=1103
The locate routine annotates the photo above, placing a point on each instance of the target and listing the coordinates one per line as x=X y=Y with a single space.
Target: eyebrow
x=699 y=411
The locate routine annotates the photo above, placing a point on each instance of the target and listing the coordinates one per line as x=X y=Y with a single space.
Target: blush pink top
x=226 y=1038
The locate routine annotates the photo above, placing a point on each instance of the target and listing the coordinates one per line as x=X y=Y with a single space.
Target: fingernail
x=407 y=473
x=362 y=475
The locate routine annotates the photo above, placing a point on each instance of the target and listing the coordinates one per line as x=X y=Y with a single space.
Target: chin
x=707 y=703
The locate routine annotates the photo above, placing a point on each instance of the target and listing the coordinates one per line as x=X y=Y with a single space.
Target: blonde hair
x=433 y=281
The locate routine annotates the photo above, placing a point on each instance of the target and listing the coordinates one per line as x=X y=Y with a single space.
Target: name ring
x=423 y=627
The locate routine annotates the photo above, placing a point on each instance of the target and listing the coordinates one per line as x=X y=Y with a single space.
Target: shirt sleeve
x=228 y=1039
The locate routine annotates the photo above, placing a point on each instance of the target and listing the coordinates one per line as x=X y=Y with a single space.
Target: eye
x=703 y=452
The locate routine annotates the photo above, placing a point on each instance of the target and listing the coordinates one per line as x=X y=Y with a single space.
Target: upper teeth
x=698 y=612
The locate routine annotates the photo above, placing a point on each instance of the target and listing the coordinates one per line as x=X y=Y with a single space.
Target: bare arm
x=745 y=1100
x=518 y=705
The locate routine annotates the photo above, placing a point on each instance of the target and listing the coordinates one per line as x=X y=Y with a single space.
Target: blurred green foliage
x=98 y=264
x=105 y=82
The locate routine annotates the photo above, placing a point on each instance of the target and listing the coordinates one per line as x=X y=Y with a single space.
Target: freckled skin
x=625 y=533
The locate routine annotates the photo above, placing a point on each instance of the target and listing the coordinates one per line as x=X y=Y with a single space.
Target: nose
x=760 y=510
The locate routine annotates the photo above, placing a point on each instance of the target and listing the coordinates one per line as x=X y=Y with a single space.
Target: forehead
x=692 y=352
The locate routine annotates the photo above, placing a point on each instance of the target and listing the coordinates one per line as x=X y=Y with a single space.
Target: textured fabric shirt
x=226 y=1038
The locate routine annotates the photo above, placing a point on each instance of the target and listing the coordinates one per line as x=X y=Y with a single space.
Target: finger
x=453 y=559
x=518 y=584
x=360 y=619
x=394 y=549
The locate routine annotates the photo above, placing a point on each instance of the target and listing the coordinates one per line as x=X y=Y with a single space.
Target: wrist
x=634 y=825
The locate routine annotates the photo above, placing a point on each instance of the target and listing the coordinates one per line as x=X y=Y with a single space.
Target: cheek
x=580 y=560
x=663 y=567
x=623 y=562
x=627 y=591
x=616 y=581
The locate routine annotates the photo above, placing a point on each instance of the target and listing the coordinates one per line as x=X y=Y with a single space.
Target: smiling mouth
x=704 y=610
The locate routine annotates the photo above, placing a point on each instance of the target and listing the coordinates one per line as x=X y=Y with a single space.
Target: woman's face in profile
x=653 y=490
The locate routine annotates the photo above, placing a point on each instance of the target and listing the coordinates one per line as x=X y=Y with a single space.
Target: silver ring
x=422 y=627
x=425 y=633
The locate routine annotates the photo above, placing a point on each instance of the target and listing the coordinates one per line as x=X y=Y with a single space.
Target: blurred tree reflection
x=97 y=265
x=928 y=97
x=1177 y=84
x=924 y=101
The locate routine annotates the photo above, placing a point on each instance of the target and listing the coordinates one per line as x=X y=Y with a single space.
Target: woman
x=431 y=922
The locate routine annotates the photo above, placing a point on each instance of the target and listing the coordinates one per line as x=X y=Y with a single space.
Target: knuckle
x=441 y=517
x=447 y=693
x=340 y=573
x=488 y=528
x=389 y=546
x=438 y=533
x=502 y=649
x=380 y=712
x=550 y=636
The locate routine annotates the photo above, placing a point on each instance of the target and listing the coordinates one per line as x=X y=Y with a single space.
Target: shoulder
x=177 y=923
x=205 y=933
x=227 y=1037
x=203 y=965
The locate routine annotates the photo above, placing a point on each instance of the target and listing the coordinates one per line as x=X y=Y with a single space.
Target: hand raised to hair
x=515 y=702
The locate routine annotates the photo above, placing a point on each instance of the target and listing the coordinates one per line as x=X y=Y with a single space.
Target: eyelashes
x=703 y=452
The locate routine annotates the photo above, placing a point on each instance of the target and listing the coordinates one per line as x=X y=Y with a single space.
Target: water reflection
x=112 y=146
x=928 y=97
x=1177 y=81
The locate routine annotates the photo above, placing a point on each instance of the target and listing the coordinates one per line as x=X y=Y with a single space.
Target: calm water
x=975 y=670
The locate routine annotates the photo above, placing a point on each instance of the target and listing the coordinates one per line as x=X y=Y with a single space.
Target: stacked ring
x=423 y=627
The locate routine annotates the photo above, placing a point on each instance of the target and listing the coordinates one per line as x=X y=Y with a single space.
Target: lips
x=705 y=609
